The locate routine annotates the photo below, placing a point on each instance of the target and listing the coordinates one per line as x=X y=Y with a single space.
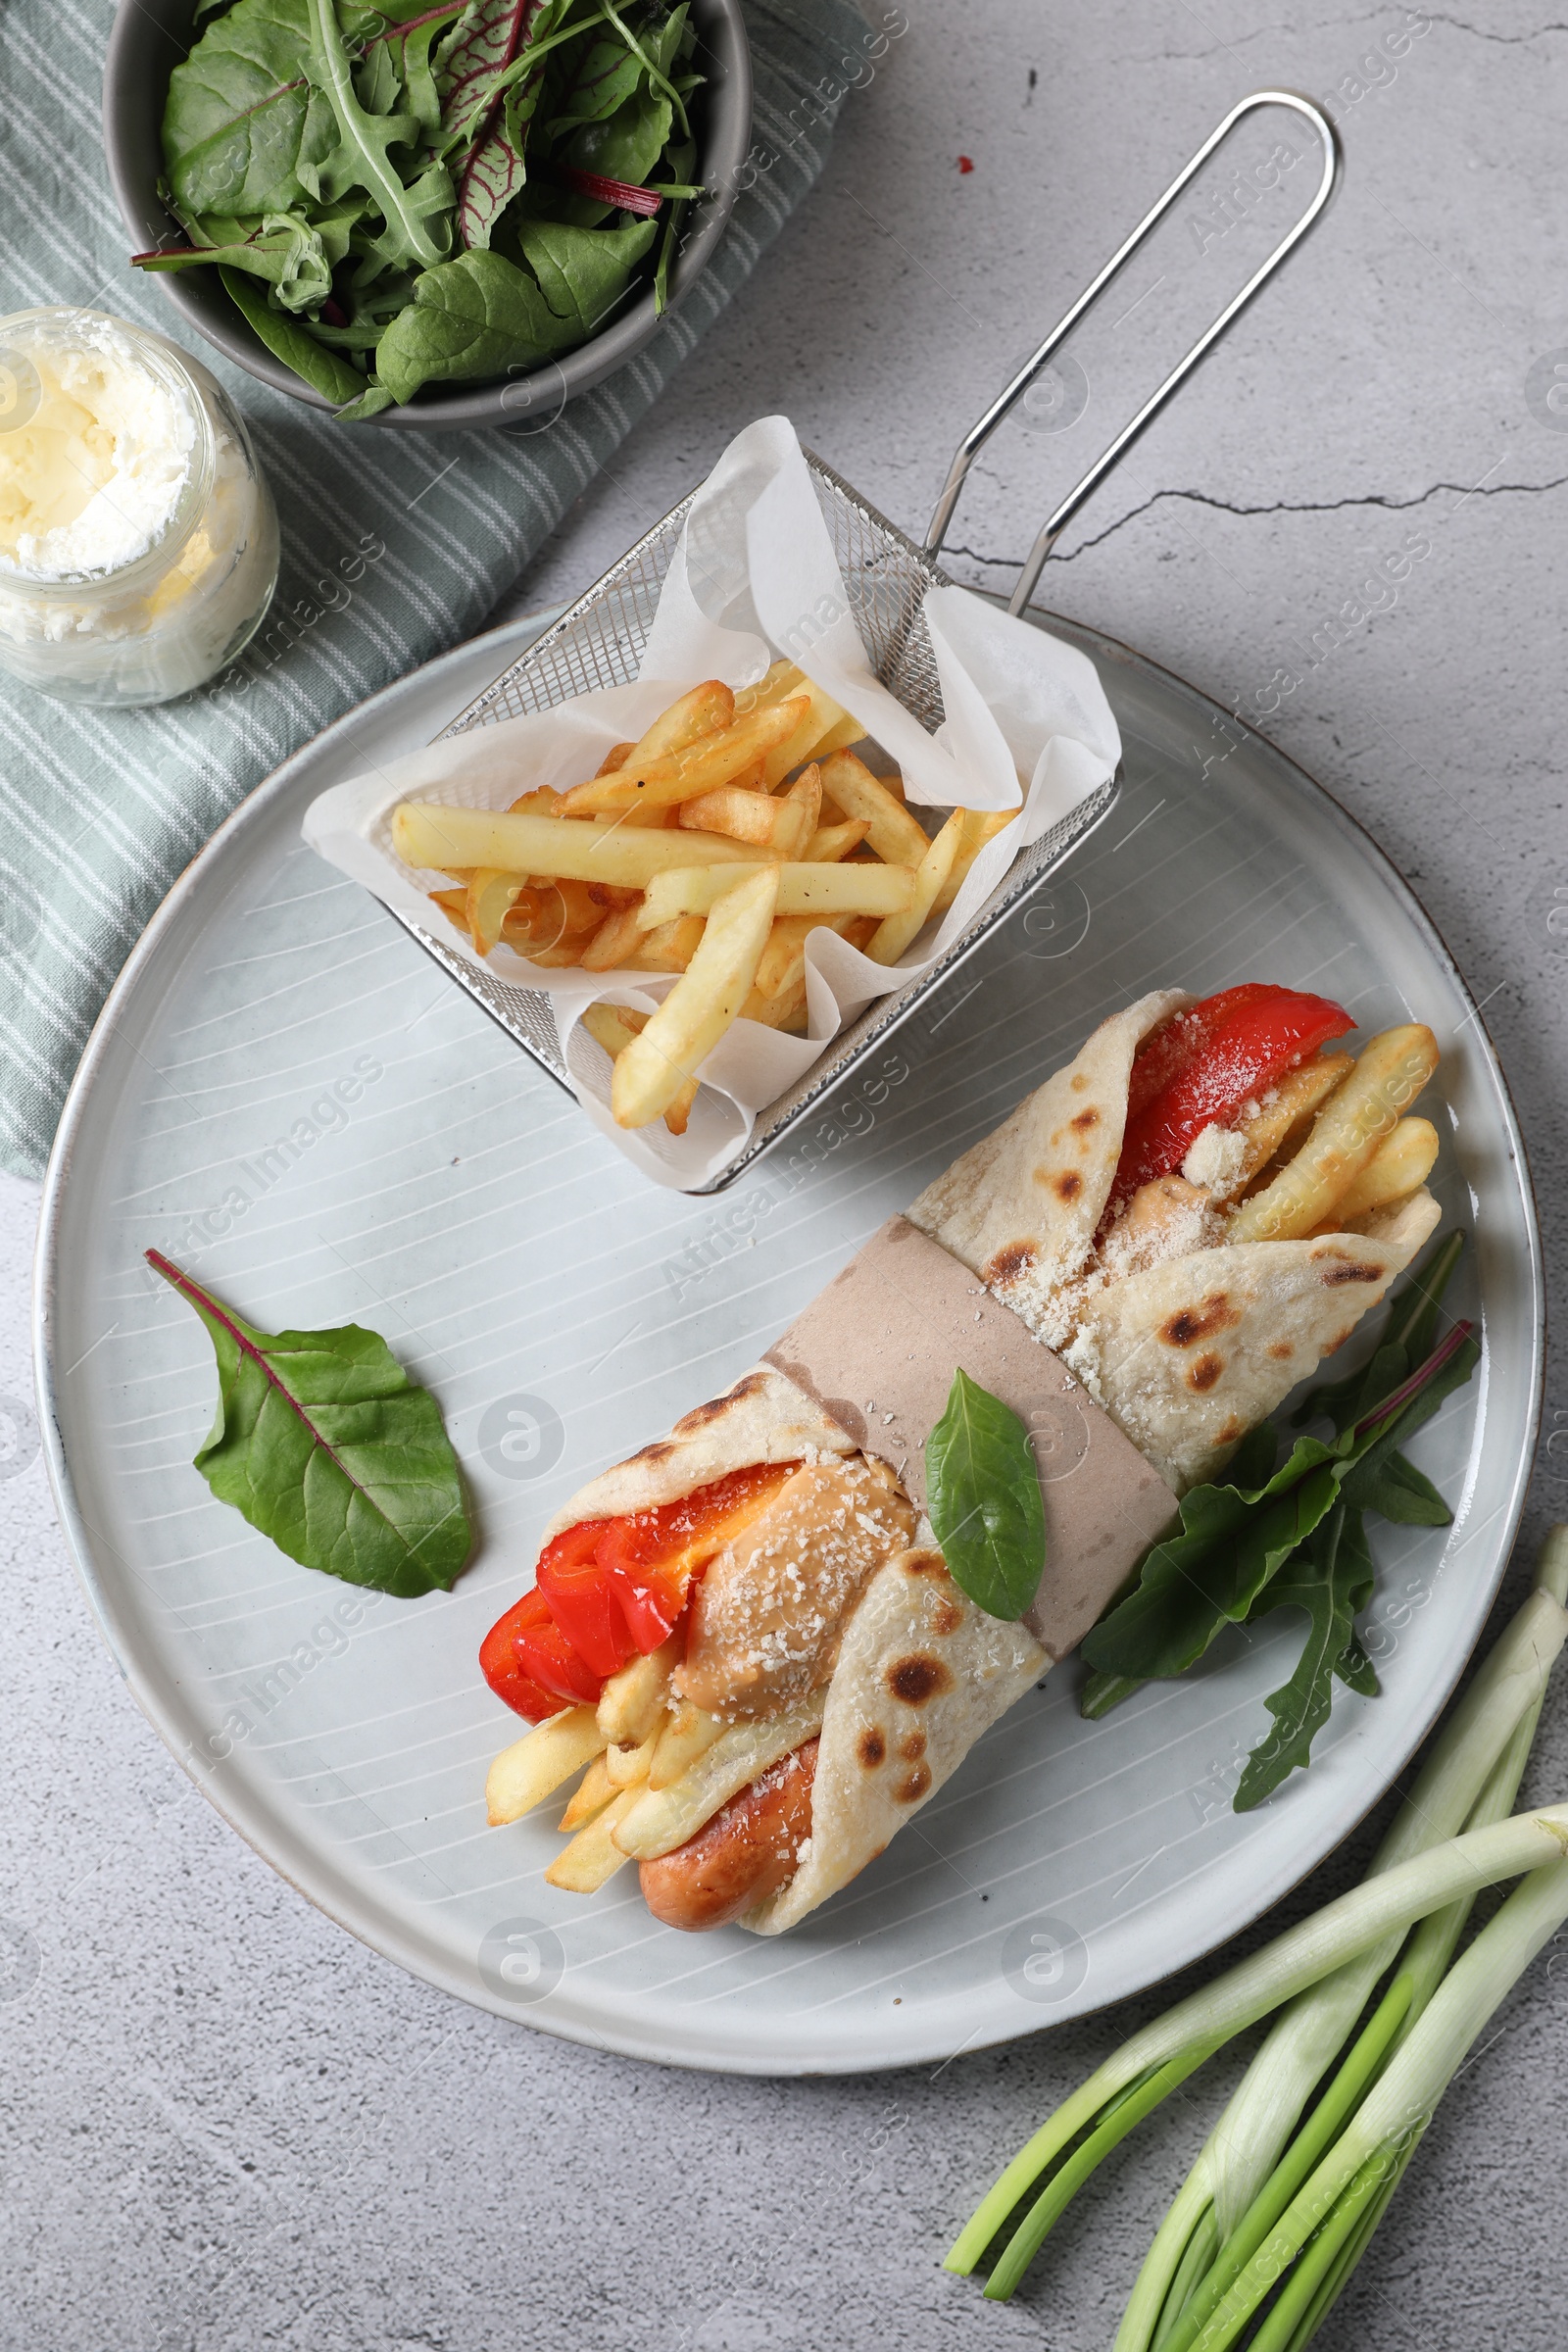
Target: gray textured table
x=227 y=2123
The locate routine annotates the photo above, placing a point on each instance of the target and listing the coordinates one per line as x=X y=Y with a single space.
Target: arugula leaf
x=1357 y=1671
x=983 y=1497
x=1331 y=1579
x=1398 y=1491
x=414 y=231
x=324 y=1443
x=337 y=381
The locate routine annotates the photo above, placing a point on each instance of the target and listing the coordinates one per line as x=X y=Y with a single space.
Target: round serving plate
x=287 y=1096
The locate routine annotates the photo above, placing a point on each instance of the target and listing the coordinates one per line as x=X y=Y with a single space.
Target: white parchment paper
x=753 y=581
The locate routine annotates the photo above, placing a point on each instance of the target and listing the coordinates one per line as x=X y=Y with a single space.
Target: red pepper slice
x=1180 y=1040
x=548 y=1658
x=650 y=1558
x=580 y=1598
x=502 y=1666
x=1228 y=1050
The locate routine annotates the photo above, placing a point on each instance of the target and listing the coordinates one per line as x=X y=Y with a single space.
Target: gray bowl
x=149 y=39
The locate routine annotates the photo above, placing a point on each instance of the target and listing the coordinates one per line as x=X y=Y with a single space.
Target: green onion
x=1259 y=2204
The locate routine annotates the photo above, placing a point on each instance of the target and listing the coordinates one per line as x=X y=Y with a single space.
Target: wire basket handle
x=980 y=433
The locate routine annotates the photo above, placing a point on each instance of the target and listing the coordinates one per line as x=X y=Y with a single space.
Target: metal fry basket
x=598 y=643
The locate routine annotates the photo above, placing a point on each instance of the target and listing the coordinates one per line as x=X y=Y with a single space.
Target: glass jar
x=138 y=539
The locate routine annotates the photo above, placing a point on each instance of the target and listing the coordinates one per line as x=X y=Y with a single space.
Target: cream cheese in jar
x=138 y=542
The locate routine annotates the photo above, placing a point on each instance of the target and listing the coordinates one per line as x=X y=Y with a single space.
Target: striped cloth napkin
x=103 y=809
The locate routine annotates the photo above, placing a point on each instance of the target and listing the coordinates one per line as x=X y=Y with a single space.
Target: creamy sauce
x=770 y=1614
x=138 y=546
x=91 y=480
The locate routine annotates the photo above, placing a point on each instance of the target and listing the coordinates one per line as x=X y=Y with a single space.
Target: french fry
x=591 y=1795
x=678 y=1114
x=822 y=716
x=689 y=1731
x=787 y=1012
x=613 y=1026
x=1281 y=1124
x=617 y=938
x=783 y=679
x=703 y=711
x=980 y=826
x=860 y=887
x=799 y=810
x=893 y=935
x=542 y=801
x=829 y=843
x=682 y=775
x=628 y=1766
x=524 y=1775
x=632 y=1703
x=839 y=739
x=489 y=900
x=425 y=835
x=592 y=1856
x=1354 y=1120
x=562 y=956
x=783 y=959
x=890 y=828
x=454 y=905
x=617 y=756
x=743 y=815
x=671 y=947
x=658 y=1820
x=703 y=1003
x=1399 y=1164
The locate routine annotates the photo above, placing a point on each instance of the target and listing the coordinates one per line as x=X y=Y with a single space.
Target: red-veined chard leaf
x=323 y=1441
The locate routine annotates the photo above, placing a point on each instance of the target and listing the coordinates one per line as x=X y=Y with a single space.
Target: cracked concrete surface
x=229 y=2126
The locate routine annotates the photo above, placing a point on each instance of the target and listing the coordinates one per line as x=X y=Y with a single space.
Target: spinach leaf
x=626 y=147
x=324 y=1443
x=243 y=128
x=287 y=340
x=983 y=1497
x=480 y=315
x=583 y=272
x=1331 y=1578
x=477 y=316
x=371 y=402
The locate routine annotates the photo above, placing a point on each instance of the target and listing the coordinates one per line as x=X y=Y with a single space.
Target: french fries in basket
x=729 y=804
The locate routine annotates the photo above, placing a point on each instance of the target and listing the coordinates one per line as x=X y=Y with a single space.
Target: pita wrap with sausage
x=806 y=1672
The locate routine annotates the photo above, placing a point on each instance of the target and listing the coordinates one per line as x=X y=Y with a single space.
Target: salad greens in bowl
x=439 y=214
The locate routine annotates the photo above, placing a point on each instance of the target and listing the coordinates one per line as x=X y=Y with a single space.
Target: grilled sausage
x=748 y=1849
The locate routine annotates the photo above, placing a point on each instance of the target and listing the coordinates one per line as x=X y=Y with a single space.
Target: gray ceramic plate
x=285 y=1095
